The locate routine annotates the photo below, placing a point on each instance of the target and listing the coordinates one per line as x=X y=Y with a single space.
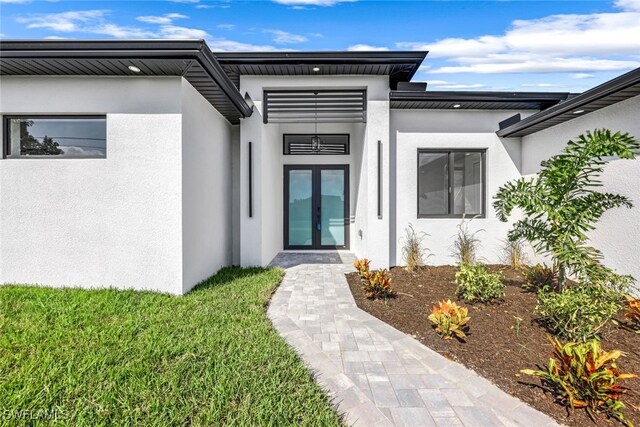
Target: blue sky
x=474 y=45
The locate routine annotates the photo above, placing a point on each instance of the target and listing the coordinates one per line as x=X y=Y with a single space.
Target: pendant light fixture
x=316 y=142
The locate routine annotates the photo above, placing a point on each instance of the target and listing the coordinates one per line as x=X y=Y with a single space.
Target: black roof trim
x=400 y=65
x=615 y=90
x=483 y=100
x=189 y=50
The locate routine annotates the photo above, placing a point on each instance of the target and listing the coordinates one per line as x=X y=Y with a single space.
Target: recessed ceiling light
x=578 y=112
x=134 y=68
x=316 y=69
x=456 y=106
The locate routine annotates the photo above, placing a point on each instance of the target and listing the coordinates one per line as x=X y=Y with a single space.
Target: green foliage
x=578 y=313
x=449 y=319
x=513 y=253
x=413 y=251
x=475 y=283
x=540 y=277
x=562 y=205
x=377 y=285
x=582 y=375
x=129 y=358
x=465 y=246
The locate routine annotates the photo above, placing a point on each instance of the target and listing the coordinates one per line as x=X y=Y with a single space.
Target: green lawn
x=124 y=358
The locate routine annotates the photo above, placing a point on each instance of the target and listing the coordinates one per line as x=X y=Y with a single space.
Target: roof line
x=617 y=84
x=133 y=49
x=488 y=96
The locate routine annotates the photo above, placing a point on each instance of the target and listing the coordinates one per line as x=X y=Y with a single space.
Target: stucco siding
x=413 y=130
x=113 y=222
x=618 y=232
x=206 y=188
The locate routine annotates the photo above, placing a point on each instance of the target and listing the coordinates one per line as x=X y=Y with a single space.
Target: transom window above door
x=323 y=144
x=451 y=183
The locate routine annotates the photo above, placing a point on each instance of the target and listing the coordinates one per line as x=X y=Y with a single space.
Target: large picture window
x=451 y=183
x=55 y=137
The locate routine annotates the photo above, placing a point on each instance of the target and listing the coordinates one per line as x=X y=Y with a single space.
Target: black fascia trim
x=327 y=57
x=608 y=88
x=129 y=49
x=462 y=96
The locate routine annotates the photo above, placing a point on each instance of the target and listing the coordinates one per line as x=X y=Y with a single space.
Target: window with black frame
x=55 y=137
x=451 y=183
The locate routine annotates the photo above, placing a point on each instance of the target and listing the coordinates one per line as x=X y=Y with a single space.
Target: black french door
x=316 y=206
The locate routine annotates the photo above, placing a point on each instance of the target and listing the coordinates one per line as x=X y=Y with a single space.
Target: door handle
x=318 y=217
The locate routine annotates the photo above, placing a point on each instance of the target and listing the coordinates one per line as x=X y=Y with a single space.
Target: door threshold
x=316 y=251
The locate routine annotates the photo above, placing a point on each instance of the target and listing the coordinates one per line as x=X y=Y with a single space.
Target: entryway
x=316 y=206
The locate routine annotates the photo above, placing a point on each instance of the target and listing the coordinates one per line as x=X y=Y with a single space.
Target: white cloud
x=443 y=84
x=15 y=1
x=66 y=22
x=226 y=26
x=628 y=4
x=95 y=22
x=556 y=43
x=582 y=76
x=365 y=47
x=516 y=64
x=283 y=37
x=175 y=32
x=541 y=85
x=167 y=18
x=224 y=45
x=303 y=3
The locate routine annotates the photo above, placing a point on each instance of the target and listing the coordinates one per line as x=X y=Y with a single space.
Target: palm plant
x=561 y=204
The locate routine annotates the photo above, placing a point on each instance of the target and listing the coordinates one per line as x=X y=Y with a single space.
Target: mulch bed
x=495 y=348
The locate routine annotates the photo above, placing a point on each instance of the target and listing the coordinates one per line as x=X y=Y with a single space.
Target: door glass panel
x=433 y=184
x=467 y=185
x=332 y=220
x=300 y=208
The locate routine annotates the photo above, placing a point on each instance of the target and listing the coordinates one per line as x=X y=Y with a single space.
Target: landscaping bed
x=498 y=345
x=123 y=358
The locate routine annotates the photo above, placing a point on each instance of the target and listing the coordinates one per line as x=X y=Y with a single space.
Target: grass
x=107 y=357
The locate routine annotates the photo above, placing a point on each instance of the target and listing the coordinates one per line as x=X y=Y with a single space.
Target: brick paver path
x=375 y=374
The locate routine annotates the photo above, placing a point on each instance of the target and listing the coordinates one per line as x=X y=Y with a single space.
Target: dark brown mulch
x=495 y=348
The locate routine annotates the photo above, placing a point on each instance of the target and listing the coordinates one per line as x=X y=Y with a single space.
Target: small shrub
x=362 y=265
x=513 y=253
x=582 y=375
x=633 y=312
x=377 y=285
x=540 y=277
x=412 y=250
x=577 y=313
x=449 y=319
x=475 y=283
x=465 y=247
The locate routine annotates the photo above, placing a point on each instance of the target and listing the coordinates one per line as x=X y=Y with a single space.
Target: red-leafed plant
x=582 y=375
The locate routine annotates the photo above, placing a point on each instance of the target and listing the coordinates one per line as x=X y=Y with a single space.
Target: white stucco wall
x=206 y=183
x=438 y=129
x=262 y=235
x=618 y=232
x=96 y=222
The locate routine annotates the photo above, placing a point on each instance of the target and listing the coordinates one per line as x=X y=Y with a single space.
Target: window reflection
x=59 y=137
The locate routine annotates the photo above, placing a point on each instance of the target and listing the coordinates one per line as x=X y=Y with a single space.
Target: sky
x=565 y=46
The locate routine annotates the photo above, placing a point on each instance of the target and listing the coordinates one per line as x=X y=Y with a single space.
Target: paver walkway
x=375 y=374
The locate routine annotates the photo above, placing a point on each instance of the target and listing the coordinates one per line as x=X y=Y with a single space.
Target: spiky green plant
x=413 y=251
x=561 y=204
x=466 y=243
